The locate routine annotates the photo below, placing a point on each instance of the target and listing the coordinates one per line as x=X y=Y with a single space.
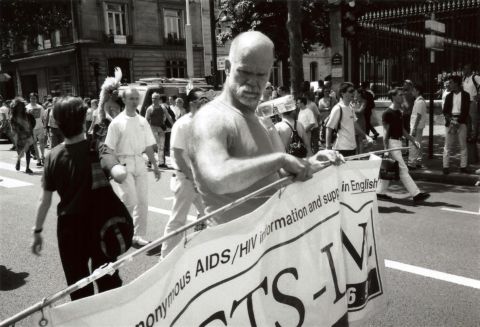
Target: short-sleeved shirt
x=246 y=138
x=37 y=112
x=129 y=136
x=307 y=118
x=314 y=109
x=68 y=171
x=394 y=118
x=346 y=134
x=180 y=138
x=419 y=108
x=470 y=87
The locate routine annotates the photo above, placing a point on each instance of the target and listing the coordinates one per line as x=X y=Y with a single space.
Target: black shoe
x=164 y=166
x=17 y=166
x=39 y=163
x=420 y=197
x=384 y=197
x=28 y=171
x=149 y=164
x=13 y=148
x=446 y=171
x=464 y=170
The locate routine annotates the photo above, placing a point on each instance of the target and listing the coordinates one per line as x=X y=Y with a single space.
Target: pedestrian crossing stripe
x=12 y=183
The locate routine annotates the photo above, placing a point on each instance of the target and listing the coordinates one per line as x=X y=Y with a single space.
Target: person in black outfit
x=68 y=171
x=369 y=106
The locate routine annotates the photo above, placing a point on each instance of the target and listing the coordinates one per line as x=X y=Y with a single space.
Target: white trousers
x=414 y=154
x=405 y=178
x=134 y=192
x=450 y=135
x=185 y=196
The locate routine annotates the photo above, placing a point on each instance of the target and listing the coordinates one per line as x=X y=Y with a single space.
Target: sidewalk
x=433 y=171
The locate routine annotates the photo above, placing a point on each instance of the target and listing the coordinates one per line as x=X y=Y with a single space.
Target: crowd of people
x=220 y=149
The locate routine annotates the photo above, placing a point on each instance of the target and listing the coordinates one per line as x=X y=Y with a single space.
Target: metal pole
x=431 y=113
x=188 y=41
x=213 y=38
x=111 y=267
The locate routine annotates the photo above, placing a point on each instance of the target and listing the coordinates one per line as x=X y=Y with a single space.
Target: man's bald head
x=248 y=69
x=250 y=42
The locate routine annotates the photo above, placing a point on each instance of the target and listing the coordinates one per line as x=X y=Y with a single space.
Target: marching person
x=307 y=119
x=129 y=136
x=456 y=110
x=418 y=120
x=288 y=125
x=182 y=182
x=22 y=124
x=37 y=111
x=232 y=154
x=394 y=130
x=471 y=85
x=67 y=167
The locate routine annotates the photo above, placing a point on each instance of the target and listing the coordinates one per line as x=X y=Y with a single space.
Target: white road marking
x=169 y=198
x=462 y=211
x=11 y=183
x=167 y=212
x=11 y=167
x=464 y=281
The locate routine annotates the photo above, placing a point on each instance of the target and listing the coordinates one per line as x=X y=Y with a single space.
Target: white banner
x=307 y=257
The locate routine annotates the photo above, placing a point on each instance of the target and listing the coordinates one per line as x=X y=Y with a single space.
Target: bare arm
x=44 y=203
x=182 y=164
x=221 y=173
x=328 y=136
x=306 y=137
x=386 y=138
x=150 y=154
x=148 y=115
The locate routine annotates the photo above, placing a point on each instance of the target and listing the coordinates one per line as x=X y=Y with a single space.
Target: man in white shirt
x=178 y=109
x=418 y=120
x=182 y=183
x=128 y=136
x=471 y=85
x=455 y=110
x=37 y=112
x=306 y=118
x=343 y=120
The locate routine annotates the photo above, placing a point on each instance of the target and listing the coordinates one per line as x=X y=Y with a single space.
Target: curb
x=454 y=178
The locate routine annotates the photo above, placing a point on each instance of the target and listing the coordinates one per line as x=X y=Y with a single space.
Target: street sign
x=337 y=59
x=434 y=42
x=435 y=26
x=119 y=39
x=221 y=63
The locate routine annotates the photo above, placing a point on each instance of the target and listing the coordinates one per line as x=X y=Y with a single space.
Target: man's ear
x=228 y=66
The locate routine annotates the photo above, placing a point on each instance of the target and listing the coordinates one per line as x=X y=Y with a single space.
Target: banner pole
x=111 y=267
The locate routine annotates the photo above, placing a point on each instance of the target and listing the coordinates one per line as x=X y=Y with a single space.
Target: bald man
x=128 y=136
x=232 y=152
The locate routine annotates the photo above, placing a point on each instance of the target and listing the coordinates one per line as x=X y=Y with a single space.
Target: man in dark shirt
x=394 y=130
x=369 y=106
x=68 y=171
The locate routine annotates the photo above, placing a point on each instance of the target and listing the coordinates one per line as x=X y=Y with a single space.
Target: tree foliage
x=270 y=18
x=25 y=19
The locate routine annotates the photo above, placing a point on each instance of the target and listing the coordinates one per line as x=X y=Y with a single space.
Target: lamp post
x=188 y=41
x=214 y=43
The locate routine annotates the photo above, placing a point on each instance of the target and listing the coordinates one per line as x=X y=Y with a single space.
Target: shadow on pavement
x=395 y=209
x=10 y=280
x=439 y=204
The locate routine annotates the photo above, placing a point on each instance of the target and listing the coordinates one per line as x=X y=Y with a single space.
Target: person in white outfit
x=182 y=183
x=129 y=136
x=418 y=120
x=394 y=130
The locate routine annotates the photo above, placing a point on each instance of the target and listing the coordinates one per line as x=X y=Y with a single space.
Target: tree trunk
x=295 y=41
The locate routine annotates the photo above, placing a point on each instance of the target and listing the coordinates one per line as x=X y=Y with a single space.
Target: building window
x=174 y=30
x=116 y=19
x=60 y=80
x=176 y=68
x=313 y=71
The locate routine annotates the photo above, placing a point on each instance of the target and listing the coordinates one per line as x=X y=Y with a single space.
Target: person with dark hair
x=37 y=111
x=369 y=107
x=22 y=124
x=182 y=183
x=168 y=130
x=456 y=111
x=288 y=126
x=129 y=136
x=418 y=120
x=157 y=116
x=68 y=172
x=343 y=120
x=308 y=120
x=358 y=105
x=408 y=103
x=394 y=130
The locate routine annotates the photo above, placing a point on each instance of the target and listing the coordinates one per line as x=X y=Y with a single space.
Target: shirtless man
x=232 y=153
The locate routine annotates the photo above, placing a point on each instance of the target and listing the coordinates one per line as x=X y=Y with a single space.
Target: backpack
x=110 y=223
x=323 y=127
x=296 y=147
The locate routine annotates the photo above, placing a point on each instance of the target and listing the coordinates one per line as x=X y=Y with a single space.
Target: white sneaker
x=139 y=241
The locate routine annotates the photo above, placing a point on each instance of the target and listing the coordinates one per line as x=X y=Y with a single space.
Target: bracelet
x=37 y=231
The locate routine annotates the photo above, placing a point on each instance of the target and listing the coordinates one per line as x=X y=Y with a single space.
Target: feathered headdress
x=109 y=85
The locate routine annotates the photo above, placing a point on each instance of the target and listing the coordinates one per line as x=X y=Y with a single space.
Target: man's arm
x=386 y=137
x=167 y=114
x=148 y=115
x=361 y=131
x=181 y=163
x=411 y=138
x=306 y=138
x=44 y=203
x=220 y=172
x=151 y=156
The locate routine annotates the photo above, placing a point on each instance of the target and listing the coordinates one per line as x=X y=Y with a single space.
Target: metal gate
x=391 y=44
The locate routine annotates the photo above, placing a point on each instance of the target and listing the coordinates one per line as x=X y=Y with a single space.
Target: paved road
x=430 y=236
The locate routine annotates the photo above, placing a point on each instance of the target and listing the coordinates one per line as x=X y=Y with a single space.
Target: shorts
x=39 y=133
